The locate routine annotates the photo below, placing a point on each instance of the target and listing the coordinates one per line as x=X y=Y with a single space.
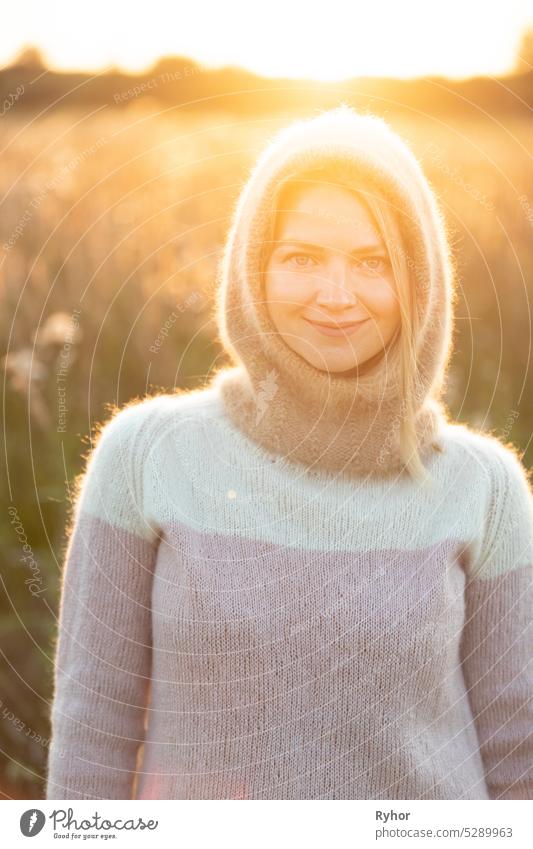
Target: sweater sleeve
x=497 y=640
x=103 y=656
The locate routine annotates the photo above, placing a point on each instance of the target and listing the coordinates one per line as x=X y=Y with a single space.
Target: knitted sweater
x=271 y=632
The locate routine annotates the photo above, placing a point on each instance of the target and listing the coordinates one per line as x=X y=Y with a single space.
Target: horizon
x=308 y=46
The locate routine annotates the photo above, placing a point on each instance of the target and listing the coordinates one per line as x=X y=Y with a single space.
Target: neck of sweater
x=348 y=424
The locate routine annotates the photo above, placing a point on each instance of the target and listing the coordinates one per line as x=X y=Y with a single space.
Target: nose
x=333 y=287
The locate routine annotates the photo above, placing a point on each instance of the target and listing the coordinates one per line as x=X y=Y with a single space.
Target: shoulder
x=138 y=422
x=486 y=462
x=482 y=452
x=498 y=480
x=113 y=485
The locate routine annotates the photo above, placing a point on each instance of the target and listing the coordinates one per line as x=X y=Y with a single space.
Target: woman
x=302 y=580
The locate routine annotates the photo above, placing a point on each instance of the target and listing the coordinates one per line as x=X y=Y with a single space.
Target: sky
x=332 y=40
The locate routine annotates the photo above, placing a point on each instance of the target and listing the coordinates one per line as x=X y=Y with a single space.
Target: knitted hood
x=345 y=424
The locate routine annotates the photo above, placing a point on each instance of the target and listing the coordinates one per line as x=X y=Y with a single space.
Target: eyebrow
x=310 y=246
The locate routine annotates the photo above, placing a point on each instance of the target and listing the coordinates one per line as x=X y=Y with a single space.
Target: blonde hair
x=386 y=219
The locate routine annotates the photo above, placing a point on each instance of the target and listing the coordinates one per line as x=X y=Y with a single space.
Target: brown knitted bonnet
x=317 y=419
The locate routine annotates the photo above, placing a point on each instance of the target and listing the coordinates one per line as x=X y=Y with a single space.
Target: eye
x=373 y=264
x=295 y=257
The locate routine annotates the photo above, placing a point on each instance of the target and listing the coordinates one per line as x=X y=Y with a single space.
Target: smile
x=332 y=330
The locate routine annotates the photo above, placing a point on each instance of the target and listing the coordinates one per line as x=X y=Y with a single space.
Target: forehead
x=327 y=215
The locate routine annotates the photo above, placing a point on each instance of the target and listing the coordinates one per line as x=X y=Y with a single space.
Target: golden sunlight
x=332 y=41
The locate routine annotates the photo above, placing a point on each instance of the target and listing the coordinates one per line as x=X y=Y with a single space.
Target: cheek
x=275 y=296
x=285 y=289
x=382 y=299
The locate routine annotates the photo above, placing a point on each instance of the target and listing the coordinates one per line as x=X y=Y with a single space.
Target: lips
x=336 y=329
x=338 y=325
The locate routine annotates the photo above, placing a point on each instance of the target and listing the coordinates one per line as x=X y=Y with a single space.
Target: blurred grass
x=131 y=217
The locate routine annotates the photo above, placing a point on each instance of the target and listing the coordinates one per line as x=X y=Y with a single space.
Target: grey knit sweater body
x=234 y=626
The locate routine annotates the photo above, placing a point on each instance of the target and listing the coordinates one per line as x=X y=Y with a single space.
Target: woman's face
x=328 y=280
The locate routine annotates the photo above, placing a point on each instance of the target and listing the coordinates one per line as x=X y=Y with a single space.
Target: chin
x=334 y=368
x=348 y=369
